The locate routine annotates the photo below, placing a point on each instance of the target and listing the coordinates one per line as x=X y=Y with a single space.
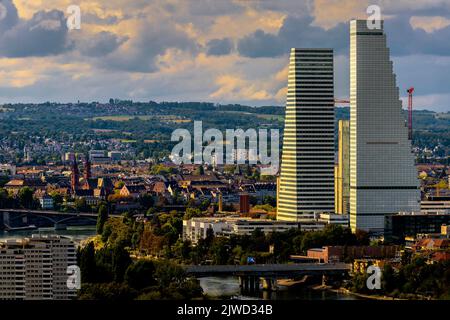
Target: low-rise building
x=330 y=254
x=197 y=228
x=340 y=219
x=46 y=202
x=402 y=225
x=133 y=191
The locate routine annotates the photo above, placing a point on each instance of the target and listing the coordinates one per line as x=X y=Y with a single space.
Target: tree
x=86 y=261
x=80 y=204
x=58 y=199
x=168 y=272
x=4 y=198
x=183 y=249
x=150 y=212
x=140 y=275
x=146 y=200
x=192 y=213
x=272 y=201
x=101 y=218
x=389 y=279
x=220 y=250
x=120 y=261
x=107 y=292
x=26 y=197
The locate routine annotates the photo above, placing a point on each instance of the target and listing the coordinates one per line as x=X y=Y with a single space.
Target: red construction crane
x=410 y=106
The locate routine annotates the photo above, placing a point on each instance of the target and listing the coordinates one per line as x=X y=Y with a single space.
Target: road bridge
x=19 y=218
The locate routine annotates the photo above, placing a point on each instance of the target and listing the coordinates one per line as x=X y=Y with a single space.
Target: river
x=216 y=287
x=76 y=234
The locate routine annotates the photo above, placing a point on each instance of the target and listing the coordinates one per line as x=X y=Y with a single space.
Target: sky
x=222 y=51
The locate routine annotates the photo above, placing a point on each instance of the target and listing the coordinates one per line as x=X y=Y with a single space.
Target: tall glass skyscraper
x=307 y=163
x=383 y=178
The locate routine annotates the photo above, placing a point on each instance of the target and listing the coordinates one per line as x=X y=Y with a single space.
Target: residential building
x=46 y=202
x=383 y=178
x=7 y=170
x=115 y=155
x=15 y=185
x=197 y=228
x=307 y=164
x=133 y=191
x=36 y=268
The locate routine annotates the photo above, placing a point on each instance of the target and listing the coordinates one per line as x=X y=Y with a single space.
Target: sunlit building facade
x=383 y=177
x=307 y=166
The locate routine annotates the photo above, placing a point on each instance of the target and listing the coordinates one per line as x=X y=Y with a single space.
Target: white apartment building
x=36 y=268
x=197 y=228
x=383 y=177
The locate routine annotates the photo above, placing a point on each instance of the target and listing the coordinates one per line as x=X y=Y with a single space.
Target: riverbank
x=351 y=293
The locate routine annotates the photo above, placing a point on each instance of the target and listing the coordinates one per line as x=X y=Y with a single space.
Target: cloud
x=261 y=44
x=233 y=87
x=44 y=34
x=100 y=44
x=8 y=15
x=405 y=40
x=93 y=18
x=219 y=47
x=295 y=32
x=433 y=102
x=214 y=7
x=139 y=54
x=429 y=24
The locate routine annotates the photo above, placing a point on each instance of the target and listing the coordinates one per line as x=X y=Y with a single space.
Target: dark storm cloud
x=295 y=32
x=44 y=34
x=100 y=44
x=404 y=40
x=260 y=44
x=219 y=47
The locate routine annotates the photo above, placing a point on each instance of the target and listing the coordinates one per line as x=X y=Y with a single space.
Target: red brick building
x=340 y=253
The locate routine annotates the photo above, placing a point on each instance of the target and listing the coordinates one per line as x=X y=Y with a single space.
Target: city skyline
x=219 y=51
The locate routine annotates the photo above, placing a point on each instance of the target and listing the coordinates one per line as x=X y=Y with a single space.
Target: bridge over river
x=251 y=275
x=11 y=219
x=269 y=270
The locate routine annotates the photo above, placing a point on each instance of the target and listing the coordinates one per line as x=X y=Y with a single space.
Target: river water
x=214 y=287
x=228 y=287
x=76 y=234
